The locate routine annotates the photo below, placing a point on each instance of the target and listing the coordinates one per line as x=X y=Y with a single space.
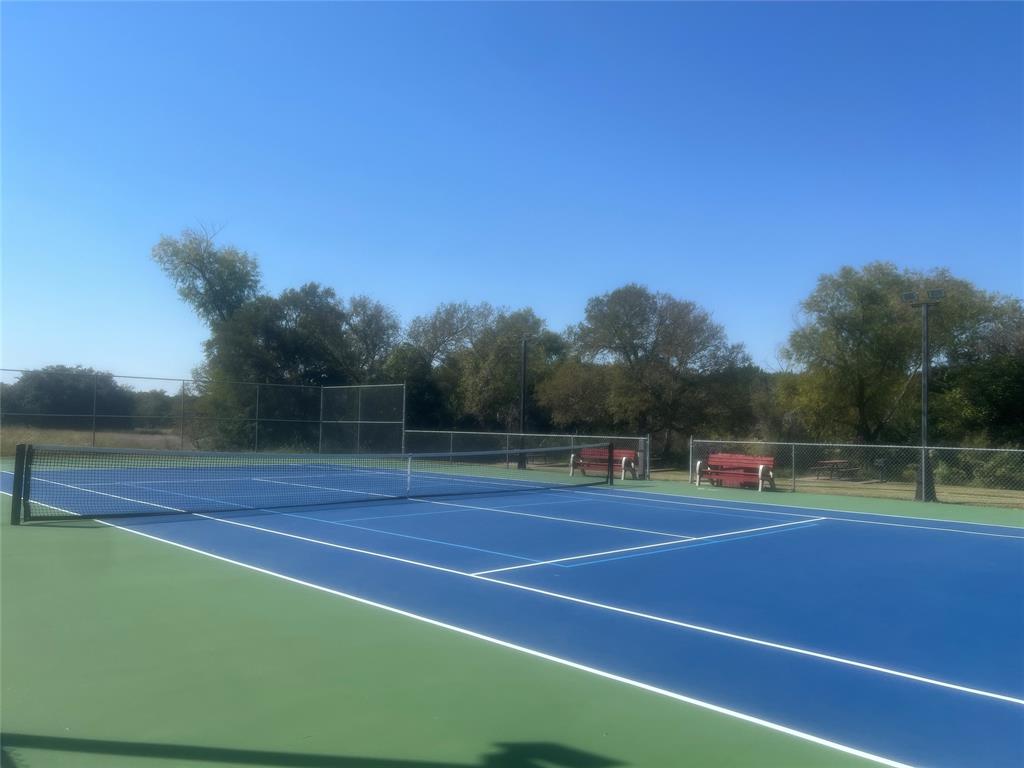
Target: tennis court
x=865 y=637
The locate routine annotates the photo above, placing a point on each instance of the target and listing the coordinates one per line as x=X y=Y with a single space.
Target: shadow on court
x=505 y=755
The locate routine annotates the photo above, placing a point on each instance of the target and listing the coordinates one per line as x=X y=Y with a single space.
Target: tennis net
x=60 y=482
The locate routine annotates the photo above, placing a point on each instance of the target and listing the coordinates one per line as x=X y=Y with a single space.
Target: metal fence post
x=257 y=437
x=403 y=415
x=647 y=458
x=689 y=462
x=94 y=378
x=359 y=420
x=320 y=438
x=792 y=468
x=181 y=432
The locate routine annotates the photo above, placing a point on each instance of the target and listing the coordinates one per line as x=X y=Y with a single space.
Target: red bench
x=597 y=458
x=737 y=470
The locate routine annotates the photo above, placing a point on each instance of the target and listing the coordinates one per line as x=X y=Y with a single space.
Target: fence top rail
x=859 y=445
x=113 y=375
x=270 y=457
x=525 y=434
x=197 y=381
x=344 y=386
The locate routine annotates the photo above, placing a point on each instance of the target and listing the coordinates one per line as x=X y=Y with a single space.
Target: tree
x=635 y=327
x=66 y=396
x=576 y=395
x=373 y=330
x=661 y=353
x=214 y=281
x=449 y=328
x=299 y=337
x=857 y=348
x=488 y=372
x=979 y=389
x=426 y=405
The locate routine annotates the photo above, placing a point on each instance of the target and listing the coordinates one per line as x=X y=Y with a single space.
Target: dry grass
x=152 y=439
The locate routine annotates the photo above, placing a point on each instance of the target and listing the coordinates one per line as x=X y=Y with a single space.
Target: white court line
x=580 y=557
x=549 y=517
x=691 y=506
x=523 y=649
x=102 y=493
x=636 y=614
x=645 y=546
x=811 y=509
x=603 y=606
x=485 y=509
x=547 y=503
x=328 y=488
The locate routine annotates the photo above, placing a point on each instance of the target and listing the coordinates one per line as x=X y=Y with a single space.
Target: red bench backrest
x=739 y=461
x=602 y=453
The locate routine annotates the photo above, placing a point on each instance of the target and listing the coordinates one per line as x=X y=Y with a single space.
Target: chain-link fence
x=983 y=476
x=98 y=409
x=434 y=441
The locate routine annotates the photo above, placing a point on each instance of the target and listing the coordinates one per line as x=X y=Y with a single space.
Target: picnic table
x=835 y=469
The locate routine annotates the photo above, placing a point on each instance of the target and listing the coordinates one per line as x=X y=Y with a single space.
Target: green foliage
x=214 y=281
x=857 y=352
x=65 y=394
x=670 y=367
x=638 y=328
x=979 y=469
x=640 y=361
x=449 y=328
x=425 y=400
x=299 y=337
x=373 y=331
x=488 y=371
x=577 y=396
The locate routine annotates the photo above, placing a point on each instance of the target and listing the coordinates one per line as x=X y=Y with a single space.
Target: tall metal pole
x=522 y=387
x=522 y=401
x=926 y=480
x=927 y=492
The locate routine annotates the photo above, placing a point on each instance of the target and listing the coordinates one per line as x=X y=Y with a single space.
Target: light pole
x=925 y=478
x=521 y=463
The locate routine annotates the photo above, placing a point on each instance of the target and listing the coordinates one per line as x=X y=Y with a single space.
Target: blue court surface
x=898 y=639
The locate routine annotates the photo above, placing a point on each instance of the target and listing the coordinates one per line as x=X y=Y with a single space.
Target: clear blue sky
x=520 y=154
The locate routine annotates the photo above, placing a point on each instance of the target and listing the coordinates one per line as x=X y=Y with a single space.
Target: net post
x=611 y=463
x=19 y=479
